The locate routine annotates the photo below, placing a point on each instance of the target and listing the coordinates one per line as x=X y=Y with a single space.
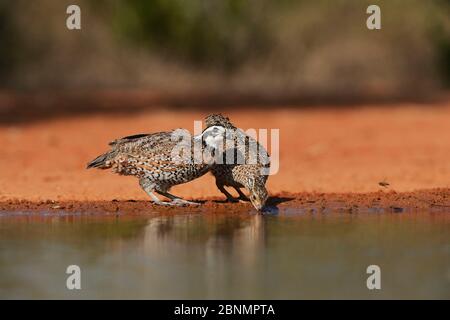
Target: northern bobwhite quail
x=249 y=167
x=150 y=158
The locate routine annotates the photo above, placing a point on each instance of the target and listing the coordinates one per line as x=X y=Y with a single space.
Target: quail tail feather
x=102 y=161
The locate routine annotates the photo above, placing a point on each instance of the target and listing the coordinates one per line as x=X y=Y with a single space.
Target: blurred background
x=225 y=51
x=364 y=123
x=354 y=106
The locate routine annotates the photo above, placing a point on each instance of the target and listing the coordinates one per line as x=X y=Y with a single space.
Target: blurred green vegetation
x=212 y=33
x=226 y=33
x=8 y=46
x=442 y=43
x=290 y=44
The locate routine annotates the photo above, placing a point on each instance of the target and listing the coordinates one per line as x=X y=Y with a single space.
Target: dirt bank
x=437 y=200
x=345 y=153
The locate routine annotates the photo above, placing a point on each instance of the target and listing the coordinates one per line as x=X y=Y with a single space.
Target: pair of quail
x=151 y=158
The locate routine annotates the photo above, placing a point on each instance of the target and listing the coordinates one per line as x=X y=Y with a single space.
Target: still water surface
x=226 y=256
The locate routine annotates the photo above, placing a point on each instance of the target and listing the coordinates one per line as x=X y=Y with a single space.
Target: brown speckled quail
x=247 y=174
x=149 y=158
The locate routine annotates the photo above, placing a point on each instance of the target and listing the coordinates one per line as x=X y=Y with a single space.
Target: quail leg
x=149 y=189
x=176 y=201
x=156 y=200
x=242 y=196
x=222 y=189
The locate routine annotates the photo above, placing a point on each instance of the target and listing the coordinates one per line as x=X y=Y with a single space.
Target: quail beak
x=199 y=139
x=257 y=203
x=258 y=206
x=259 y=199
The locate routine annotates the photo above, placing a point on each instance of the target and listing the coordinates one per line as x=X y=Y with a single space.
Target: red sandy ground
x=327 y=156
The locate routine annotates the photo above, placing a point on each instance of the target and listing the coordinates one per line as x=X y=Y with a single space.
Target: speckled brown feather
x=149 y=158
x=241 y=175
